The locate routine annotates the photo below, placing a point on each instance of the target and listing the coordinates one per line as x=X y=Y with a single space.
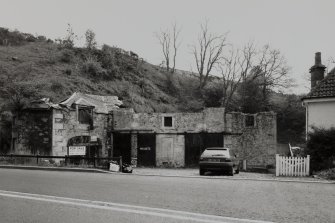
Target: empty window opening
x=168 y=121
x=85 y=116
x=249 y=121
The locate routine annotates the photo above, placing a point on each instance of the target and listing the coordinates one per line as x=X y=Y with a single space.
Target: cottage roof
x=326 y=87
x=101 y=104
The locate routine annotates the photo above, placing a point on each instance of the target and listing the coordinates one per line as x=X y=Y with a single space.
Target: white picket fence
x=292 y=166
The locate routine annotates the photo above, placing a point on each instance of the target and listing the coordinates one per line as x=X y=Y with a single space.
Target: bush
x=67 y=56
x=92 y=66
x=321 y=148
x=327 y=174
x=213 y=96
x=68 y=71
x=14 y=38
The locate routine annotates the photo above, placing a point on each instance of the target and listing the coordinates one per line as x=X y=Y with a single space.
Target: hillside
x=56 y=72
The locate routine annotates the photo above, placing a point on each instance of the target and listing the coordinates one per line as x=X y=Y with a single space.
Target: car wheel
x=201 y=172
x=231 y=171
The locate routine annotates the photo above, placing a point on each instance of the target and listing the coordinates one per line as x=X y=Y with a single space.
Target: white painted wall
x=320 y=114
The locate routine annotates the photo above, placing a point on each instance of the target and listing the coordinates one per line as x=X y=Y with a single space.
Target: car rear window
x=216 y=152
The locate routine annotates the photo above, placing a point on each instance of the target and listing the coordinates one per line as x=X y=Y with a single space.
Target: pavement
x=181 y=172
x=58 y=196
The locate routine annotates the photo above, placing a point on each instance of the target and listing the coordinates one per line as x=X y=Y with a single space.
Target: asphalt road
x=51 y=196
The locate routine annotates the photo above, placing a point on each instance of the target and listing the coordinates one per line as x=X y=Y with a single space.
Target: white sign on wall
x=77 y=150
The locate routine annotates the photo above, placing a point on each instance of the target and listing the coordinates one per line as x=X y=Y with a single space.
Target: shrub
x=92 y=66
x=321 y=148
x=327 y=174
x=67 y=56
x=14 y=38
x=68 y=71
x=213 y=96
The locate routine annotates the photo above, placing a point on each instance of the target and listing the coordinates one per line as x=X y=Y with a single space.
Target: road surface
x=52 y=196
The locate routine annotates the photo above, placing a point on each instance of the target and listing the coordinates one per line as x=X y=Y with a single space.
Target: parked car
x=219 y=159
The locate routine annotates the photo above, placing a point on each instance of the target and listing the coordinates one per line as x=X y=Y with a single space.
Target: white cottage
x=320 y=102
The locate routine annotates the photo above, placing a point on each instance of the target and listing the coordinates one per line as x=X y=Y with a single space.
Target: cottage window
x=85 y=116
x=168 y=121
x=249 y=120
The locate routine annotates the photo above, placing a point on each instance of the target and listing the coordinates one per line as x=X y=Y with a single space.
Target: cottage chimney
x=317 y=70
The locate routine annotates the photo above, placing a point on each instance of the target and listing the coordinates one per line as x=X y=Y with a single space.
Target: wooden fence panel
x=292 y=166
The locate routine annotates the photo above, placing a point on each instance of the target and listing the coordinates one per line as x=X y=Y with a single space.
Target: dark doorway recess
x=146 y=150
x=122 y=146
x=196 y=143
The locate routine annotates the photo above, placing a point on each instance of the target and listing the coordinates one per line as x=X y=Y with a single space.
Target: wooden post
x=277 y=165
x=307 y=165
x=244 y=164
x=120 y=163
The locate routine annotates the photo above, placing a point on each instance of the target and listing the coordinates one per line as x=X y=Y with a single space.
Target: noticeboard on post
x=77 y=150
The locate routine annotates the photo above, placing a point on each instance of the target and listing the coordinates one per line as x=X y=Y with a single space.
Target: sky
x=298 y=28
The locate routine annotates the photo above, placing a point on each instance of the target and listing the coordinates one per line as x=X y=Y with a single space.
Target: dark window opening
x=249 y=121
x=168 y=121
x=85 y=116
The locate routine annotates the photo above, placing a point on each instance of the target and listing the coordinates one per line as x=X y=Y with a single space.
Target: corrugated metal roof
x=101 y=104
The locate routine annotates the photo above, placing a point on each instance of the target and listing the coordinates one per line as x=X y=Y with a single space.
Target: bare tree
x=234 y=69
x=208 y=52
x=272 y=72
x=169 y=41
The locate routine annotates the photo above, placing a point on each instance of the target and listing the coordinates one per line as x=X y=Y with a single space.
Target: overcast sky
x=298 y=28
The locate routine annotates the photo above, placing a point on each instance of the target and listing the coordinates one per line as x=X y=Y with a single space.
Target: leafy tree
x=91 y=43
x=68 y=41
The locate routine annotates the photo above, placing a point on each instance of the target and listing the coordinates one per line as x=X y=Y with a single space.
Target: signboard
x=77 y=150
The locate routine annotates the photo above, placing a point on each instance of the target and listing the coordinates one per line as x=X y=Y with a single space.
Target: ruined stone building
x=144 y=139
x=45 y=128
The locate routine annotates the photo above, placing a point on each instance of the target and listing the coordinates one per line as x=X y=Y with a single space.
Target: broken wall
x=32 y=132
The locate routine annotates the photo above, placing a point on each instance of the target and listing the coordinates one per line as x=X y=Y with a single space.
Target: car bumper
x=216 y=165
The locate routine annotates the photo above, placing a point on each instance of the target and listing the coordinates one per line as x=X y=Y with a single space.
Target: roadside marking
x=134 y=209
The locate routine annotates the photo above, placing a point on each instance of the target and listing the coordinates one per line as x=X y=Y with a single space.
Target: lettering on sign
x=145 y=148
x=77 y=150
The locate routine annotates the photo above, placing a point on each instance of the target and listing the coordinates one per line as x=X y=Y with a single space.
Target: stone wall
x=32 y=131
x=257 y=144
x=66 y=126
x=210 y=120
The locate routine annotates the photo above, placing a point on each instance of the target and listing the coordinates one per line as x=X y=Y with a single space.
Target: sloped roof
x=101 y=104
x=326 y=87
x=43 y=103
